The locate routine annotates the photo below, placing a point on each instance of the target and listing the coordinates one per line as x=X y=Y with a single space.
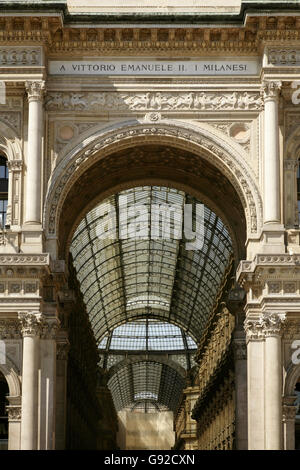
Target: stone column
x=272 y=325
x=47 y=377
x=30 y=326
x=61 y=394
x=271 y=154
x=289 y=415
x=34 y=152
x=255 y=383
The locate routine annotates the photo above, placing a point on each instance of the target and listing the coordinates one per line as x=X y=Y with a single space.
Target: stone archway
x=289 y=409
x=10 y=374
x=203 y=147
x=183 y=156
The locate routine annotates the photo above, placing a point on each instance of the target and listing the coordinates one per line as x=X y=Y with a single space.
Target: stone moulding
x=265 y=260
x=183 y=135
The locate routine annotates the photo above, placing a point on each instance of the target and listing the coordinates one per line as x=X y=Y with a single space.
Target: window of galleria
x=149 y=225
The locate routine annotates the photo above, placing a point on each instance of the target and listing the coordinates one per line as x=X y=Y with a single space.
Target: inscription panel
x=155 y=67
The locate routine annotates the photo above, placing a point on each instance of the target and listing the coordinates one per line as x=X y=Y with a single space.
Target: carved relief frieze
x=154 y=101
x=283 y=56
x=20 y=56
x=24 y=259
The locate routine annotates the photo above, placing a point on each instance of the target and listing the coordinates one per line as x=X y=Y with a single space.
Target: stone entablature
x=271 y=279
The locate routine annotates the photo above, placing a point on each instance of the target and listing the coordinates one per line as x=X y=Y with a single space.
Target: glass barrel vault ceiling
x=132 y=354
x=126 y=279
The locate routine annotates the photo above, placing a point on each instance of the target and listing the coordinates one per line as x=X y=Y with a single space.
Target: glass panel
x=129 y=278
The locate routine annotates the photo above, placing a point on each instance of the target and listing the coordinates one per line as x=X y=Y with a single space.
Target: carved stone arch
x=10 y=373
x=292 y=375
x=292 y=145
x=199 y=140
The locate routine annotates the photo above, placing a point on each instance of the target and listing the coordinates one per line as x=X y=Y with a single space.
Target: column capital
x=272 y=323
x=15 y=165
x=30 y=323
x=254 y=330
x=266 y=325
x=270 y=89
x=289 y=412
x=290 y=164
x=14 y=413
x=35 y=90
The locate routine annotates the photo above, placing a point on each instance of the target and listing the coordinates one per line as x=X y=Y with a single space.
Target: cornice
x=159 y=38
x=234 y=15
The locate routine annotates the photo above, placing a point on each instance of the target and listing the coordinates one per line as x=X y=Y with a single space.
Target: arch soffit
x=292 y=145
x=10 y=143
x=197 y=139
x=10 y=373
x=292 y=375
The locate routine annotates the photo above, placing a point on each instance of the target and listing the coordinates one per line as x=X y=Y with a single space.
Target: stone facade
x=68 y=135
